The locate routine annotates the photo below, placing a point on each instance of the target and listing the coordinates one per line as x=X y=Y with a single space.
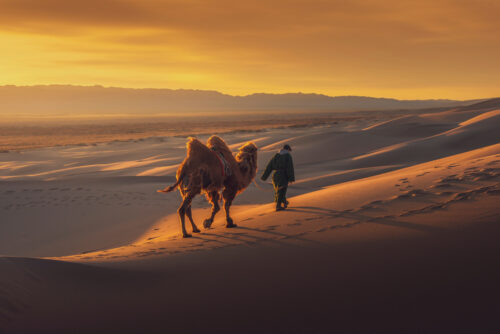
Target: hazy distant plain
x=26 y=132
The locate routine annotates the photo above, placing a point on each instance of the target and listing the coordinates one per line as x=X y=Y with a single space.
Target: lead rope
x=261 y=188
x=258 y=186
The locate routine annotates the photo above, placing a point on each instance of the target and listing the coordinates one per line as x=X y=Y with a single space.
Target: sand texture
x=393 y=226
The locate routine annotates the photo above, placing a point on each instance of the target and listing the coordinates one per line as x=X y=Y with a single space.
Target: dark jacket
x=282 y=164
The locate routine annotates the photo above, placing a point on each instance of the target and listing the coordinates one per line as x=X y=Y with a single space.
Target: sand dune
x=471 y=134
x=392 y=198
x=392 y=227
x=482 y=117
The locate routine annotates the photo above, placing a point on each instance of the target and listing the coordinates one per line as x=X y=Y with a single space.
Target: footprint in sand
x=312 y=218
x=494 y=162
x=294 y=224
x=250 y=218
x=418 y=193
x=445 y=193
x=451 y=178
x=348 y=225
x=297 y=235
x=383 y=217
x=403 y=196
x=441 y=185
x=333 y=227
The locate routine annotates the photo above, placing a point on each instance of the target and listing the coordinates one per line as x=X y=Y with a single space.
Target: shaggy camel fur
x=203 y=171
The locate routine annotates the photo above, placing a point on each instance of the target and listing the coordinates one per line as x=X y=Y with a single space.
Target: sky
x=382 y=48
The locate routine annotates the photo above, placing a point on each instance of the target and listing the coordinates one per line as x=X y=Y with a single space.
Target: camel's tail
x=180 y=176
x=170 y=188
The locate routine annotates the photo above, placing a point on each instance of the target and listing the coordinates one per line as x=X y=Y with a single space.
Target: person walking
x=282 y=165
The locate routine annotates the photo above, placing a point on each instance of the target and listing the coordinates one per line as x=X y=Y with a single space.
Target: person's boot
x=285 y=205
x=279 y=208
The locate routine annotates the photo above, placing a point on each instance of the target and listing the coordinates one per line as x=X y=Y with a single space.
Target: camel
x=210 y=169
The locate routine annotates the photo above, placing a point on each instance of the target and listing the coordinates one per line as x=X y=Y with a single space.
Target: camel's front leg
x=186 y=203
x=190 y=216
x=228 y=200
x=214 y=199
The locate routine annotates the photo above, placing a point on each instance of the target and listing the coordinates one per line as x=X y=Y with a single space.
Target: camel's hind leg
x=214 y=198
x=190 y=216
x=186 y=203
x=228 y=195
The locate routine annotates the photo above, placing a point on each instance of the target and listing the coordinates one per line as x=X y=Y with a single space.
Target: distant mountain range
x=68 y=99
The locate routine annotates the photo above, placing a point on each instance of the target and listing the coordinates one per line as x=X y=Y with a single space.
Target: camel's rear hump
x=203 y=162
x=195 y=147
x=197 y=152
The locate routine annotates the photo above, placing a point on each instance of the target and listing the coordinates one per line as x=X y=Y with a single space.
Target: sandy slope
x=392 y=228
x=394 y=201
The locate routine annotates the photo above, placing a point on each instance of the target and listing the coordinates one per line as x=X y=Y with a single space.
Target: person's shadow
x=350 y=214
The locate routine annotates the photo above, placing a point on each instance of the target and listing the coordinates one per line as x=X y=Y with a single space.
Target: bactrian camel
x=210 y=169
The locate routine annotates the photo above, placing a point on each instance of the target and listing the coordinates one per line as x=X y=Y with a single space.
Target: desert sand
x=393 y=226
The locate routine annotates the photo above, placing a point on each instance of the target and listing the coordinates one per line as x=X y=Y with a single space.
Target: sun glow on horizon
x=444 y=49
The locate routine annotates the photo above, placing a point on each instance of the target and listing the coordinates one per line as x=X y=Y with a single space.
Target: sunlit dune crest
x=482 y=117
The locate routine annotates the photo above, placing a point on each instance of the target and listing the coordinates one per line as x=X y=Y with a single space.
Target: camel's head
x=247 y=158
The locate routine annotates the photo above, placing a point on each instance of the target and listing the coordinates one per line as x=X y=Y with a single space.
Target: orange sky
x=391 y=48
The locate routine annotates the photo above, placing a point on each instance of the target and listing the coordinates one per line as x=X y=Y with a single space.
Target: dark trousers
x=280 y=194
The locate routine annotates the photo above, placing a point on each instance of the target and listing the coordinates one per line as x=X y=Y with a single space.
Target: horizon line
x=236 y=95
